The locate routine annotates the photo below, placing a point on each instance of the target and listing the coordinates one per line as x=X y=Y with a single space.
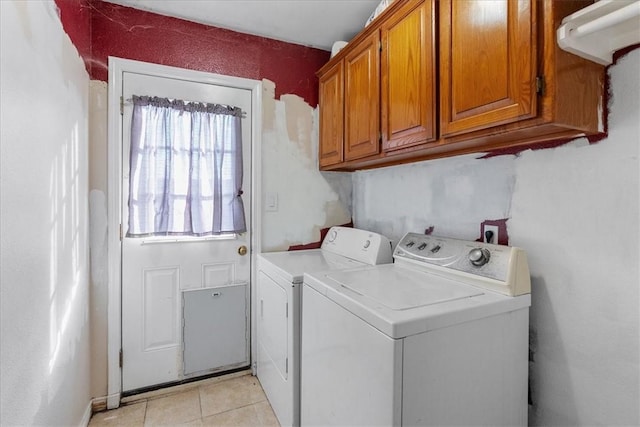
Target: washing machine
x=439 y=337
x=278 y=311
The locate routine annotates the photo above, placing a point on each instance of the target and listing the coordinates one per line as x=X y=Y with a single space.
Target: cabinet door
x=408 y=67
x=331 y=99
x=362 y=99
x=488 y=64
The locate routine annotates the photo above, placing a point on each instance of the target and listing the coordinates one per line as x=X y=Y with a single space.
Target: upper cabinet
x=487 y=63
x=361 y=99
x=408 y=61
x=389 y=89
x=432 y=79
x=331 y=97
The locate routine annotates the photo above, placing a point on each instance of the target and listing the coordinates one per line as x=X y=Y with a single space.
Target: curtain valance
x=191 y=106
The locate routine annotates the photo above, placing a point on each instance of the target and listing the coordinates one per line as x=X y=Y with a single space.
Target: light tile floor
x=238 y=401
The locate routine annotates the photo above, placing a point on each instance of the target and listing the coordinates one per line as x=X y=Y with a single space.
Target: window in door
x=185 y=169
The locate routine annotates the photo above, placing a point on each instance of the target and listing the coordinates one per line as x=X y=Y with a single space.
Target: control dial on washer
x=332 y=235
x=479 y=256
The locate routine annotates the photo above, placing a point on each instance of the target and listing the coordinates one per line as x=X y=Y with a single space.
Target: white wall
x=44 y=252
x=575 y=209
x=308 y=200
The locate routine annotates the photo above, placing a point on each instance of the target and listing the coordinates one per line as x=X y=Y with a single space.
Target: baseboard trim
x=99 y=404
x=113 y=401
x=86 y=417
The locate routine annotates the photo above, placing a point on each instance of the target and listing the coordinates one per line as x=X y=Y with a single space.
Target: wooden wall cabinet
x=487 y=63
x=554 y=95
x=361 y=99
x=331 y=99
x=408 y=68
x=501 y=82
x=388 y=90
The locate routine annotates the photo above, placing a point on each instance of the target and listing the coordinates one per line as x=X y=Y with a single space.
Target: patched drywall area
x=451 y=195
x=98 y=113
x=575 y=209
x=298 y=200
x=44 y=347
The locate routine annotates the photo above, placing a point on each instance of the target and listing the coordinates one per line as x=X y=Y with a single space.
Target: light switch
x=271 y=202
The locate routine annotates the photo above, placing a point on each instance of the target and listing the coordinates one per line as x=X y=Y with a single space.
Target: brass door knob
x=242 y=250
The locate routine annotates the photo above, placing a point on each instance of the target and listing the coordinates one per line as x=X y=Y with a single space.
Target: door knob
x=242 y=250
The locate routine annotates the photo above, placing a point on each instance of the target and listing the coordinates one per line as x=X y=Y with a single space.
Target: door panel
x=158 y=308
x=332 y=116
x=362 y=98
x=156 y=270
x=487 y=66
x=408 y=85
x=218 y=274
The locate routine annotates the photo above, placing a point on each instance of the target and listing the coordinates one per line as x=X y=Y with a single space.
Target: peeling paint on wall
x=577 y=211
x=299 y=123
x=451 y=195
x=75 y=16
x=98 y=113
x=101 y=29
x=308 y=200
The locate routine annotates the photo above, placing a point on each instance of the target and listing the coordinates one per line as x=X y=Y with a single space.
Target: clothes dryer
x=278 y=313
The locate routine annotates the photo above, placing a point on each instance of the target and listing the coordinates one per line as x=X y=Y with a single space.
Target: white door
x=156 y=270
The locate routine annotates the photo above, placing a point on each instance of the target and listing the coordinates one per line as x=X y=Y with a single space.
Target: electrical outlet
x=487 y=229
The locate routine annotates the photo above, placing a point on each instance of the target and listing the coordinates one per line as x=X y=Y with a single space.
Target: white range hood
x=599 y=30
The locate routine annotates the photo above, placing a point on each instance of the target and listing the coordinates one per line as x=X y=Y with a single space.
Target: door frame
x=118 y=66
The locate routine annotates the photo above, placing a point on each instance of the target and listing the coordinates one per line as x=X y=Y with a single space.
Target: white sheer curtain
x=185 y=169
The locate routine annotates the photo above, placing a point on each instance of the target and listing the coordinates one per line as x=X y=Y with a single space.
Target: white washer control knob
x=332 y=235
x=479 y=256
x=367 y=243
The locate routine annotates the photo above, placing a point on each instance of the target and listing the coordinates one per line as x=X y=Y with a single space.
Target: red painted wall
x=75 y=16
x=134 y=34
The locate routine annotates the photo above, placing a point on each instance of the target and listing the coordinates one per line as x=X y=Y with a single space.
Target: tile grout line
x=233 y=409
x=200 y=401
x=144 y=419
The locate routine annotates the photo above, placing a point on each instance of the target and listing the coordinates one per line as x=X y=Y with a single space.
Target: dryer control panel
x=502 y=269
x=361 y=245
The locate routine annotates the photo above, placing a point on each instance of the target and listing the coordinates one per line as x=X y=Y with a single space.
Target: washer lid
x=401 y=301
x=293 y=264
x=402 y=289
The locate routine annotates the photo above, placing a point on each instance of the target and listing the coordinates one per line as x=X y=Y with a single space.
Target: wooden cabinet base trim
x=503 y=143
